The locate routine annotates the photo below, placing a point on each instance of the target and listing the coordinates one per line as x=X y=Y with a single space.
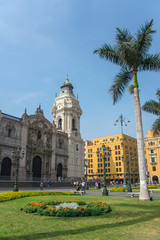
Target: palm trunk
x=144 y=194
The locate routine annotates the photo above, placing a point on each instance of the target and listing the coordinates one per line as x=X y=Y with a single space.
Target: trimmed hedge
x=7 y=196
x=124 y=189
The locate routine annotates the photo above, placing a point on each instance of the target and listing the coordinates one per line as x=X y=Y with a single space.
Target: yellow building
x=123 y=154
x=152 y=156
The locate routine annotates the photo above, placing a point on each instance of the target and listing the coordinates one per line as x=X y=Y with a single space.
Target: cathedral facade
x=51 y=150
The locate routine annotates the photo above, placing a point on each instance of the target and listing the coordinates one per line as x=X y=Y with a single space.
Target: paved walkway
x=88 y=192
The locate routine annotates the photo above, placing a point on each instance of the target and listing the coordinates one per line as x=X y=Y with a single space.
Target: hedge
x=7 y=196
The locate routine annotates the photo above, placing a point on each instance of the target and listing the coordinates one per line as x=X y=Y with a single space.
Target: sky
x=41 y=41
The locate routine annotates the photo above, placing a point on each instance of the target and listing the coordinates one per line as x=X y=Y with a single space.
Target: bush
x=121 y=189
x=7 y=196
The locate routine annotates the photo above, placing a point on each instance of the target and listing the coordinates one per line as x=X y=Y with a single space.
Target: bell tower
x=66 y=113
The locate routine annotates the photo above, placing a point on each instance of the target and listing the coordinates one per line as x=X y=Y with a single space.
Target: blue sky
x=41 y=41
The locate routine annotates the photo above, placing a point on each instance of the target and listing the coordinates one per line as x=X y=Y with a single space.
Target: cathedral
x=47 y=151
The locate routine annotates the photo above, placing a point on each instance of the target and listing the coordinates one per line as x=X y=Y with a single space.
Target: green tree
x=131 y=53
x=154 y=107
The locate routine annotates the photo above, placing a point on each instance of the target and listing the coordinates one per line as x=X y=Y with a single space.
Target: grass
x=129 y=219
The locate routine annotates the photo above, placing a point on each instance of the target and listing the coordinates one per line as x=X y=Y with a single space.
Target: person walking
x=41 y=186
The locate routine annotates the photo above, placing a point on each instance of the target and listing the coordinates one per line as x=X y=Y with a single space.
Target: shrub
x=7 y=196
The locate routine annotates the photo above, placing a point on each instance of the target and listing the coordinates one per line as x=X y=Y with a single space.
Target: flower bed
x=67 y=208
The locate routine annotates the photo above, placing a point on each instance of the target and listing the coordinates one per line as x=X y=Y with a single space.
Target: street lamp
x=124 y=178
x=17 y=156
x=129 y=180
x=105 y=191
x=86 y=165
x=134 y=170
x=123 y=121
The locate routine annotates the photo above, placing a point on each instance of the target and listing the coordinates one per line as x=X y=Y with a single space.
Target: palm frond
x=152 y=107
x=143 y=38
x=109 y=53
x=156 y=126
x=158 y=94
x=121 y=80
x=123 y=36
x=124 y=46
x=150 y=62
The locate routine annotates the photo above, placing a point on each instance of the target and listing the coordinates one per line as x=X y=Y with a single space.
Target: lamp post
x=129 y=180
x=124 y=178
x=134 y=170
x=86 y=165
x=122 y=120
x=105 y=191
x=17 y=156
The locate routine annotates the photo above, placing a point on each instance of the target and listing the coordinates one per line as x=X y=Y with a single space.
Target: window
x=118 y=146
x=119 y=169
x=119 y=163
x=89 y=171
x=60 y=123
x=91 y=165
x=108 y=169
x=76 y=147
x=39 y=135
x=101 y=164
x=115 y=152
x=88 y=155
x=92 y=171
x=73 y=124
x=9 y=132
x=152 y=151
x=91 y=160
x=98 y=170
x=119 y=158
x=119 y=152
x=101 y=170
x=98 y=165
x=116 y=163
x=154 y=168
x=116 y=158
x=116 y=169
x=153 y=160
x=108 y=164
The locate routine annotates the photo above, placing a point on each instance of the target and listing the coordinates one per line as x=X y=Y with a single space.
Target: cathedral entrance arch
x=36 y=168
x=6 y=169
x=59 y=171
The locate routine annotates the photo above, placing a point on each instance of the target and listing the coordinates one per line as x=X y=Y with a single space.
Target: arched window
x=73 y=124
x=39 y=135
x=60 y=123
x=9 y=132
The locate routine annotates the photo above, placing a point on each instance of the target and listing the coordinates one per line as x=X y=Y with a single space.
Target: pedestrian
x=41 y=186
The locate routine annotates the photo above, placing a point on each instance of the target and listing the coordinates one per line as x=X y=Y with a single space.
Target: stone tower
x=66 y=113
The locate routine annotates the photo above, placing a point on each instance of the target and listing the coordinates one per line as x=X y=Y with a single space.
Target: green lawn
x=129 y=219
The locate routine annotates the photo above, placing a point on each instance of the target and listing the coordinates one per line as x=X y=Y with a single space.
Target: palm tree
x=154 y=107
x=131 y=54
